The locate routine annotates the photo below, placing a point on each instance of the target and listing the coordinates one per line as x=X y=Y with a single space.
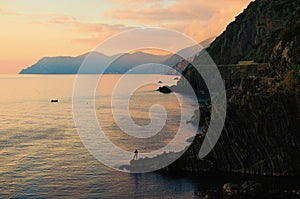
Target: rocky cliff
x=262 y=127
x=260 y=136
x=267 y=30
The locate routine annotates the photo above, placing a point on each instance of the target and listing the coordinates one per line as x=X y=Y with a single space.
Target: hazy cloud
x=122 y=3
x=61 y=19
x=180 y=11
x=8 y=12
x=99 y=31
x=199 y=19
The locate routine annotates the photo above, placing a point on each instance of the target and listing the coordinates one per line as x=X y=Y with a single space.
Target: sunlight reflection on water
x=41 y=153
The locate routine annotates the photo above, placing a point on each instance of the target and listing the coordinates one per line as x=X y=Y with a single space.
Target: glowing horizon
x=37 y=28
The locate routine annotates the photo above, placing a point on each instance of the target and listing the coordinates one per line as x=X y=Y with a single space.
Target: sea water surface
x=41 y=154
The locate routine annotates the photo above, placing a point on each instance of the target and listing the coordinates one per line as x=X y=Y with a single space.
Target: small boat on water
x=54 y=100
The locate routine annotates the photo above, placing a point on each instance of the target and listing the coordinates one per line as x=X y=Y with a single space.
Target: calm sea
x=42 y=156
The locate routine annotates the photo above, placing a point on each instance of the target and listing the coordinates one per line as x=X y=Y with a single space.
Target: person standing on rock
x=135 y=157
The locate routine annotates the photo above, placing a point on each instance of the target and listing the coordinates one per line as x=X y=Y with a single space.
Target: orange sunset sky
x=33 y=29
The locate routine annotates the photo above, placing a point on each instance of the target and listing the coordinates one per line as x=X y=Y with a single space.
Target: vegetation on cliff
x=261 y=132
x=257 y=32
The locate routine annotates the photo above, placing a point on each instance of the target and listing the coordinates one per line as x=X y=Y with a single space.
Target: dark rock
x=198 y=194
x=251 y=189
x=164 y=89
x=212 y=194
x=192 y=79
x=230 y=190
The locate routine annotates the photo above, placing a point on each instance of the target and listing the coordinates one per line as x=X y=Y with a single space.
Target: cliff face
x=265 y=24
x=262 y=128
x=260 y=135
x=193 y=78
x=261 y=131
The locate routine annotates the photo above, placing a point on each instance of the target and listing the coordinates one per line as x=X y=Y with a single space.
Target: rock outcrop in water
x=164 y=89
x=262 y=127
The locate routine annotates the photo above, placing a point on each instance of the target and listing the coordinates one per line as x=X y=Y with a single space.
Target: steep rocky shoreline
x=261 y=136
x=261 y=133
x=262 y=128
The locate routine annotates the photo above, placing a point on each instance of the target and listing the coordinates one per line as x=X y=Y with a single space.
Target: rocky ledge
x=247 y=190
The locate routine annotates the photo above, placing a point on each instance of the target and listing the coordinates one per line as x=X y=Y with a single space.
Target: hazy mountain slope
x=97 y=63
x=119 y=64
x=60 y=64
x=178 y=63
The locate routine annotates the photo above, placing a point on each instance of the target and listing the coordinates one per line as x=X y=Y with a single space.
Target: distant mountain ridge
x=118 y=64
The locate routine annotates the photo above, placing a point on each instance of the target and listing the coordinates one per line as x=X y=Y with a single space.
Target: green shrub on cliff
x=296 y=72
x=291 y=32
